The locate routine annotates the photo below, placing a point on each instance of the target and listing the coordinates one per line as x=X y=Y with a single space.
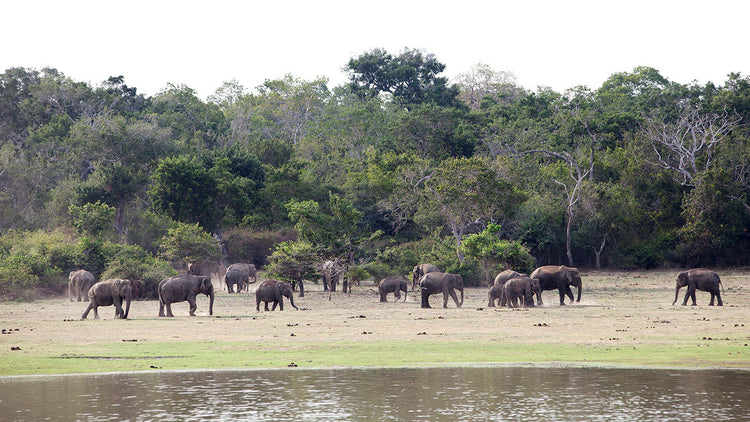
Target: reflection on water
x=434 y=394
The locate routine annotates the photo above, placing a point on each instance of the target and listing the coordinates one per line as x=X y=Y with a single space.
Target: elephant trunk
x=211 y=303
x=127 y=308
x=462 y=297
x=676 y=293
x=291 y=301
x=580 y=288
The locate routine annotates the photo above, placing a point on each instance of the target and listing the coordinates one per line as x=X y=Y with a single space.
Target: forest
x=397 y=167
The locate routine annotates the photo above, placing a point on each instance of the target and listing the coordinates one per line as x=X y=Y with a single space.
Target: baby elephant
x=273 y=291
x=495 y=295
x=522 y=288
x=394 y=285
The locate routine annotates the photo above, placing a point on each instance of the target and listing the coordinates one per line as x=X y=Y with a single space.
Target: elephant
x=331 y=272
x=418 y=271
x=240 y=278
x=446 y=283
x=248 y=269
x=558 y=277
x=110 y=292
x=207 y=268
x=495 y=294
x=506 y=275
x=500 y=280
x=79 y=282
x=522 y=288
x=699 y=279
x=394 y=285
x=273 y=291
x=184 y=288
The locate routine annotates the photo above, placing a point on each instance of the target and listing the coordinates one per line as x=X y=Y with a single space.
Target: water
x=411 y=394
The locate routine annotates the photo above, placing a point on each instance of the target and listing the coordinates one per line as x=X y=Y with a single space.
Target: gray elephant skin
x=496 y=292
x=273 y=291
x=207 y=268
x=79 y=283
x=331 y=273
x=521 y=290
x=110 y=292
x=239 y=278
x=394 y=285
x=699 y=279
x=495 y=295
x=247 y=271
x=184 y=288
x=419 y=270
x=445 y=283
x=558 y=277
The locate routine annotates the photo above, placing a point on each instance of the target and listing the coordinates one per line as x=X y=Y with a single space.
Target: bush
x=135 y=264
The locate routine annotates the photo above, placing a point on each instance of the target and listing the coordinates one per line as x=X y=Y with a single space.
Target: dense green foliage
x=395 y=168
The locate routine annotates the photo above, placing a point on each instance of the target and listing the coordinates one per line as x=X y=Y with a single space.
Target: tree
x=185 y=191
x=686 y=147
x=495 y=253
x=465 y=193
x=483 y=82
x=188 y=243
x=411 y=78
x=294 y=261
x=91 y=218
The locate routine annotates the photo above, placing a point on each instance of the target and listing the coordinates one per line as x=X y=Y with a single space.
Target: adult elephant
x=79 y=283
x=445 y=283
x=521 y=289
x=184 y=288
x=331 y=273
x=506 y=275
x=248 y=270
x=558 y=277
x=699 y=279
x=419 y=270
x=240 y=278
x=110 y=292
x=273 y=291
x=206 y=268
x=394 y=285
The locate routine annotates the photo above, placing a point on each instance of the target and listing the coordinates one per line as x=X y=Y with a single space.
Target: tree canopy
x=398 y=165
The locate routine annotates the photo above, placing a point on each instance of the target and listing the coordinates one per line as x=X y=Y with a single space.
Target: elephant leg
x=711 y=303
x=562 y=296
x=718 y=298
x=193 y=306
x=453 y=295
x=281 y=304
x=257 y=304
x=691 y=292
x=86 y=312
x=161 y=308
x=169 y=310
x=569 y=293
x=96 y=312
x=266 y=303
x=230 y=289
x=425 y=299
x=382 y=297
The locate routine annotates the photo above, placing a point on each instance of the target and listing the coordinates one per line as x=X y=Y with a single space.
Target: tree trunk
x=568 y=230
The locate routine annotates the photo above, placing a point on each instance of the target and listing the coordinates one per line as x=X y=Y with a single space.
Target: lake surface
x=400 y=394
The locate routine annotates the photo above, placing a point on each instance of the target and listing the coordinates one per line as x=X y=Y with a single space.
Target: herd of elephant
x=514 y=289
x=509 y=288
x=181 y=288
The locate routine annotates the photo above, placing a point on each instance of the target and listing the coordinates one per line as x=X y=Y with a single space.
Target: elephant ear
x=206 y=284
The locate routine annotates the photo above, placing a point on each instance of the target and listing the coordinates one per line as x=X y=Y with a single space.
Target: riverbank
x=624 y=318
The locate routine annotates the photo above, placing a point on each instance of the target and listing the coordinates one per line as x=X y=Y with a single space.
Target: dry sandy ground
x=618 y=309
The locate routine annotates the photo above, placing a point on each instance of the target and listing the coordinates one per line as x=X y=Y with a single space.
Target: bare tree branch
x=686 y=146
